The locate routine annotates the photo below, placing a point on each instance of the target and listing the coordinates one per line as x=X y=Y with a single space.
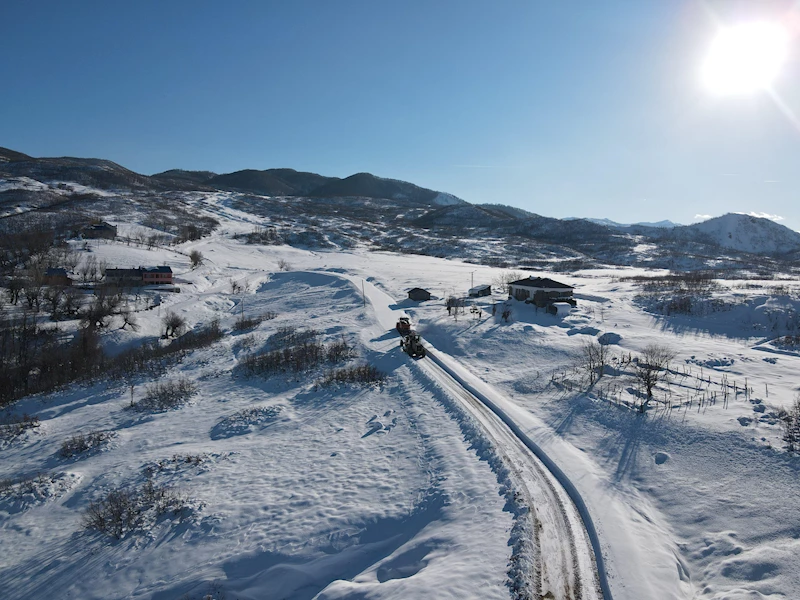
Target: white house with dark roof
x=541 y=291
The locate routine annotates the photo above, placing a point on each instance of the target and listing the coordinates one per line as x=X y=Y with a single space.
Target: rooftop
x=541 y=283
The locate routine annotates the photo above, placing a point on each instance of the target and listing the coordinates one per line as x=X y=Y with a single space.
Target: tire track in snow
x=565 y=566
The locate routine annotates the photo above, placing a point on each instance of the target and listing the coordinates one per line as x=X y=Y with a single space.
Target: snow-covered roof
x=541 y=283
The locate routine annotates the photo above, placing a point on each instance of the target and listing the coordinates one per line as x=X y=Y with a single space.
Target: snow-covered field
x=293 y=490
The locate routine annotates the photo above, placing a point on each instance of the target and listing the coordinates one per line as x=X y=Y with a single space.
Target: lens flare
x=745 y=58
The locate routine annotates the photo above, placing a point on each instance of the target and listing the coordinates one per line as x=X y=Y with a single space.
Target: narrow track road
x=569 y=564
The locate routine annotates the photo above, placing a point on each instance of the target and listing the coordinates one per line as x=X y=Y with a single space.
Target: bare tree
x=594 y=358
x=129 y=319
x=53 y=295
x=505 y=277
x=653 y=367
x=791 y=426
x=173 y=324
x=88 y=269
x=15 y=287
x=106 y=303
x=71 y=302
x=33 y=288
x=196 y=257
x=283 y=265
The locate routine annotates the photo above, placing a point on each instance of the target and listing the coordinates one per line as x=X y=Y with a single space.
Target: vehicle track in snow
x=565 y=563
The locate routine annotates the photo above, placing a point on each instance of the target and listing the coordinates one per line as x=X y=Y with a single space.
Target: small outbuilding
x=100 y=230
x=559 y=309
x=541 y=291
x=480 y=290
x=57 y=276
x=418 y=294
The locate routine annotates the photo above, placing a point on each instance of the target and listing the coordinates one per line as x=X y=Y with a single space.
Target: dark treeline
x=36 y=358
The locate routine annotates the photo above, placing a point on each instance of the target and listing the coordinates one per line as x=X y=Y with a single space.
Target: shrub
x=791 y=426
x=81 y=442
x=364 y=374
x=297 y=351
x=196 y=257
x=290 y=336
x=166 y=395
x=12 y=429
x=244 y=322
x=122 y=511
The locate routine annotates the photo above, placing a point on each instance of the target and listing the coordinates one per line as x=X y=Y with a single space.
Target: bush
x=791 y=426
x=166 y=395
x=243 y=322
x=12 y=429
x=122 y=511
x=196 y=257
x=290 y=336
x=297 y=351
x=363 y=374
x=81 y=442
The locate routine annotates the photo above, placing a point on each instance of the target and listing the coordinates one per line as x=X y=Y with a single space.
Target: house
x=100 y=230
x=541 y=291
x=480 y=290
x=124 y=277
x=139 y=276
x=156 y=275
x=57 y=276
x=419 y=294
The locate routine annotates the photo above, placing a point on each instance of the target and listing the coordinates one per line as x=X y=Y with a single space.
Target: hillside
x=270 y=182
x=369 y=186
x=314 y=211
x=746 y=233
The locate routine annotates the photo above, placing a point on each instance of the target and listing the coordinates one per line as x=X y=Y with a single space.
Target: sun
x=745 y=58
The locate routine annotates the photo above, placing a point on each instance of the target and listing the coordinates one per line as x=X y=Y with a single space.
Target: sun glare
x=745 y=58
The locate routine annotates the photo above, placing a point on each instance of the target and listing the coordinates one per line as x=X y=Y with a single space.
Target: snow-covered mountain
x=312 y=210
x=665 y=224
x=746 y=233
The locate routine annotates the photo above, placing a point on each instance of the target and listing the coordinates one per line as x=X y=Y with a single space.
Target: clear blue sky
x=593 y=109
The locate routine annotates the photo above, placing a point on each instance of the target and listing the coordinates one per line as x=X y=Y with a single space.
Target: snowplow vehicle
x=412 y=345
x=403 y=326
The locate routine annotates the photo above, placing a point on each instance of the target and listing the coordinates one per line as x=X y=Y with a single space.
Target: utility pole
x=472 y=279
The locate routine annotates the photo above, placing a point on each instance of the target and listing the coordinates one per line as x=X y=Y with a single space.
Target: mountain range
x=401 y=216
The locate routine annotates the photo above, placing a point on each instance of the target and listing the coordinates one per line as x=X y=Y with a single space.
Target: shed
x=559 y=309
x=542 y=291
x=419 y=294
x=57 y=276
x=480 y=290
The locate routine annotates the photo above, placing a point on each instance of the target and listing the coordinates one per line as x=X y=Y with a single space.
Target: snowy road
x=565 y=544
